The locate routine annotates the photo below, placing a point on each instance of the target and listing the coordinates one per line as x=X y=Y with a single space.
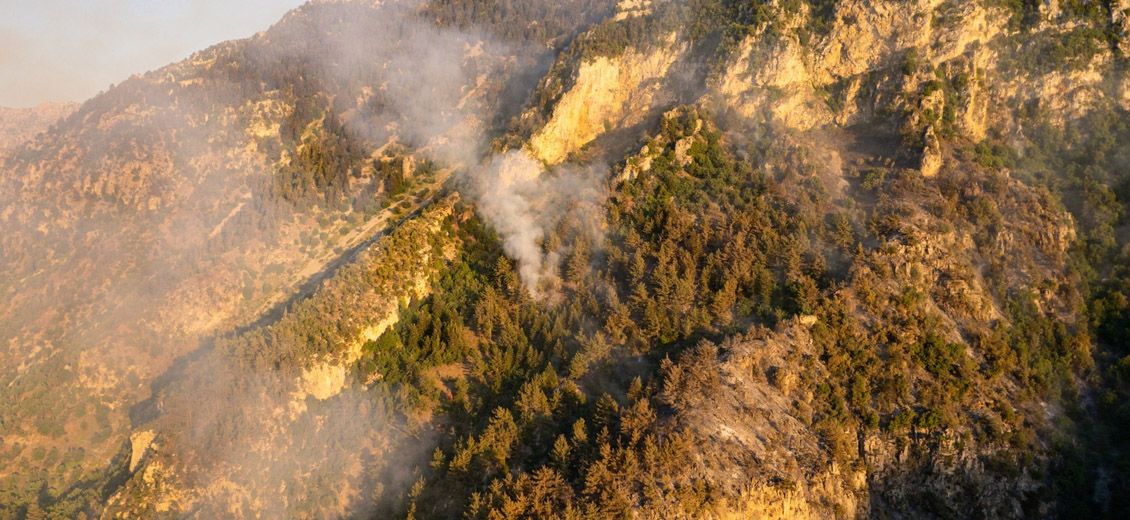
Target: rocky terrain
x=583 y=259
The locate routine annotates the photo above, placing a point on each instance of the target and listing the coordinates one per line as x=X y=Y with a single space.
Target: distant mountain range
x=582 y=259
x=18 y=125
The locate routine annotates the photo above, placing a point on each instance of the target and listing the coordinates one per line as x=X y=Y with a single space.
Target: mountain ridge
x=838 y=259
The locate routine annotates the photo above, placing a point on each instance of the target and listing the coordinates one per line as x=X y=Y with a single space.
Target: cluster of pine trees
x=561 y=409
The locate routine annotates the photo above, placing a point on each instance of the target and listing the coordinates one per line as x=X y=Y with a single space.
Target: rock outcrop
x=752 y=432
x=607 y=93
x=931 y=162
x=140 y=444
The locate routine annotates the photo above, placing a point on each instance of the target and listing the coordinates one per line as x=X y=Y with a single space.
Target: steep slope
x=855 y=259
x=202 y=197
x=943 y=293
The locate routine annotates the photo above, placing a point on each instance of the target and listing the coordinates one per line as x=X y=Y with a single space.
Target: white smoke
x=433 y=85
x=521 y=200
x=393 y=75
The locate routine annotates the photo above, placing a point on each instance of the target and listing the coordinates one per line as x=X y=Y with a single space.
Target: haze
x=68 y=50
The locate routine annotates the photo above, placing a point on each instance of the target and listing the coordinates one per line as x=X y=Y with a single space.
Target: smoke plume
x=434 y=90
x=139 y=289
x=515 y=194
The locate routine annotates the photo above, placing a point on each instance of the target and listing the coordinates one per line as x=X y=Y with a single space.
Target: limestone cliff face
x=607 y=93
x=327 y=379
x=934 y=62
x=874 y=55
x=794 y=84
x=139 y=443
x=773 y=81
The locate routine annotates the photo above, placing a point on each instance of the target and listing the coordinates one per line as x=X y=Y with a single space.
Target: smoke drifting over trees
x=521 y=200
x=319 y=272
x=430 y=92
x=432 y=95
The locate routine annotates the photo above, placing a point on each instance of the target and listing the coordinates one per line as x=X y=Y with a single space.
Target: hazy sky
x=69 y=50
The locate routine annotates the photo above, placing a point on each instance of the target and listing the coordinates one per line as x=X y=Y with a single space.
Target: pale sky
x=69 y=50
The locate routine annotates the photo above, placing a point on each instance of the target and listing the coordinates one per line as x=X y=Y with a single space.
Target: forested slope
x=703 y=259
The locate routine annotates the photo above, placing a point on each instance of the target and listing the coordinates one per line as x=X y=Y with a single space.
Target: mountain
x=515 y=258
x=18 y=125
